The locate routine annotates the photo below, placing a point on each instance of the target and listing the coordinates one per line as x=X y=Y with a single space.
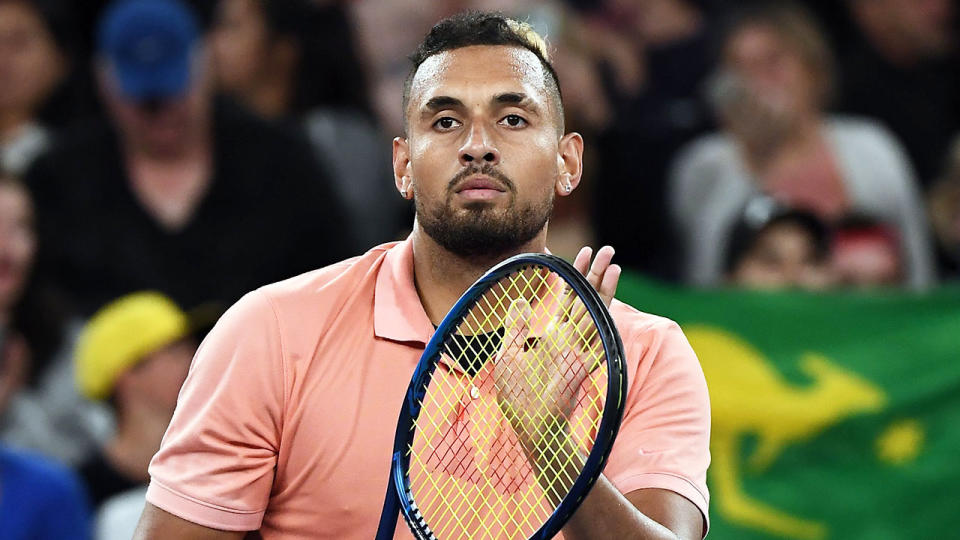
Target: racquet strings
x=470 y=477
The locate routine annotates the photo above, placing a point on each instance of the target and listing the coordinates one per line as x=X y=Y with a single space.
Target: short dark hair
x=763 y=213
x=484 y=28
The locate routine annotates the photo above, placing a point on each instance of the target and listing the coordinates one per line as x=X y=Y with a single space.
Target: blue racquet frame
x=399 y=497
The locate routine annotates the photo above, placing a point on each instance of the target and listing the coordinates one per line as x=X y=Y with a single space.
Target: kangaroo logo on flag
x=749 y=397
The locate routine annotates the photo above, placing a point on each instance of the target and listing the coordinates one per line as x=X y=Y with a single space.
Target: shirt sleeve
x=216 y=463
x=664 y=439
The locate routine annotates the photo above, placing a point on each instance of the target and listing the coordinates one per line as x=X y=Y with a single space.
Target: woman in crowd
x=770 y=92
x=42 y=409
x=39 y=499
x=34 y=72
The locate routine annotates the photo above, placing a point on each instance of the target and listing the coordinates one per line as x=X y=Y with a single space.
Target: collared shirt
x=286 y=420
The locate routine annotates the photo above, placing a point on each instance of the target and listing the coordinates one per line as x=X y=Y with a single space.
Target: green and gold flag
x=834 y=416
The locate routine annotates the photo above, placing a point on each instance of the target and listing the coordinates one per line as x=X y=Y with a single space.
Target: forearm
x=605 y=512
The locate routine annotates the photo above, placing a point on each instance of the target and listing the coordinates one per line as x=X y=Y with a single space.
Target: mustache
x=486 y=170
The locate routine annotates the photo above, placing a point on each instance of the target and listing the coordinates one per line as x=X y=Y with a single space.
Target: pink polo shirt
x=285 y=423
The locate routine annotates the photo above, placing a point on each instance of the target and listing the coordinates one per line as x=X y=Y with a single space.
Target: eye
x=446 y=123
x=514 y=120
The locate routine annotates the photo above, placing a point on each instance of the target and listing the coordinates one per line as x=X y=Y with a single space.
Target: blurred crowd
x=160 y=158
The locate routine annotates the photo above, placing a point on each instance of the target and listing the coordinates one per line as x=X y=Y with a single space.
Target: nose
x=479 y=149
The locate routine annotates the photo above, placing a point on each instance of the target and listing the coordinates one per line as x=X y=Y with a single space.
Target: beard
x=479 y=230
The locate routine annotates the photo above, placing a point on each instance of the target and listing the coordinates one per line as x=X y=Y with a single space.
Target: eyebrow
x=513 y=98
x=518 y=99
x=442 y=102
x=439 y=103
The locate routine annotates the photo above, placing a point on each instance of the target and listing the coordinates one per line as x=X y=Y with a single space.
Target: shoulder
x=708 y=166
x=245 y=130
x=634 y=324
x=79 y=149
x=319 y=295
x=655 y=348
x=706 y=149
x=862 y=133
x=339 y=277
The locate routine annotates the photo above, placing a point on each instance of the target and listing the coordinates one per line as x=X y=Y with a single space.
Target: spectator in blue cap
x=176 y=191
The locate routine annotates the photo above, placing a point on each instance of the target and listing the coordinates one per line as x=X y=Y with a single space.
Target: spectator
x=769 y=92
x=866 y=254
x=45 y=414
x=134 y=353
x=669 y=47
x=902 y=70
x=33 y=64
x=40 y=500
x=773 y=247
x=177 y=192
x=295 y=61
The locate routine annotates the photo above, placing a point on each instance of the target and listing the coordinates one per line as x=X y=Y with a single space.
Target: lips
x=480 y=182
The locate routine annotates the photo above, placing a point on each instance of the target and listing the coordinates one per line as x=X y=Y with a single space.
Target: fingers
x=517 y=327
x=608 y=284
x=582 y=262
x=602 y=275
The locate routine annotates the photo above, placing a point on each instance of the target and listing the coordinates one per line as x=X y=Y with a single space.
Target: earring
x=567 y=188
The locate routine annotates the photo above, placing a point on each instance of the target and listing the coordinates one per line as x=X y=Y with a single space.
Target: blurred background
x=781 y=177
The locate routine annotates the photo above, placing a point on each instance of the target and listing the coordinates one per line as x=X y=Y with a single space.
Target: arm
x=216 y=463
x=606 y=513
x=644 y=513
x=156 y=524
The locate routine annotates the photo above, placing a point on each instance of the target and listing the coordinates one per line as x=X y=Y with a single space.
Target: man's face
x=158 y=377
x=483 y=153
x=160 y=127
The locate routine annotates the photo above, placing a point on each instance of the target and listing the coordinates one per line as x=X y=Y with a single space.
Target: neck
x=441 y=276
x=138 y=437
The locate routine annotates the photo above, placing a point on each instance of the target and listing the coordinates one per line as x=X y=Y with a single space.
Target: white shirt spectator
x=710 y=184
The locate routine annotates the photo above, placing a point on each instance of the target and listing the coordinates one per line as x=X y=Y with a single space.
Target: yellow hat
x=120 y=334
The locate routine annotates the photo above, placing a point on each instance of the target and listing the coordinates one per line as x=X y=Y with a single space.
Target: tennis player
x=286 y=421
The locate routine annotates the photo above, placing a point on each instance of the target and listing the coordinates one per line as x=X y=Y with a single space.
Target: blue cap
x=148 y=43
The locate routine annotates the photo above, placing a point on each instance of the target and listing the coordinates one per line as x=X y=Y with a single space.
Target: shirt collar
x=398 y=314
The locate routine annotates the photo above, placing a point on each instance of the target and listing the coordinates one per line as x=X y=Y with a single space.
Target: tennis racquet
x=512 y=410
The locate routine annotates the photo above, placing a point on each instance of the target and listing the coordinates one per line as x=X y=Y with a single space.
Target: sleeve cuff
x=670 y=482
x=202 y=513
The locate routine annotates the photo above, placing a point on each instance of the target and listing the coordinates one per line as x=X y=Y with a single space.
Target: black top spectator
x=200 y=201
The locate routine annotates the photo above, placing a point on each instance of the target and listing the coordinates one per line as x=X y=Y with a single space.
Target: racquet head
x=512 y=410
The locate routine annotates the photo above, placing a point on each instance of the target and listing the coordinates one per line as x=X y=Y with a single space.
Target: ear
x=402 y=175
x=569 y=163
